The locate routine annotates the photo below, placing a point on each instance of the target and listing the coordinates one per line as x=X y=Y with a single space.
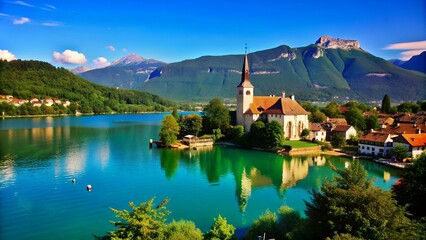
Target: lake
x=40 y=156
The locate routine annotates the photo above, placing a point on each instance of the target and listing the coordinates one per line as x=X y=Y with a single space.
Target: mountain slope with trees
x=313 y=72
x=27 y=79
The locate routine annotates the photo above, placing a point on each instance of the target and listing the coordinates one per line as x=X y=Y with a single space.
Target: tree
x=182 y=230
x=399 y=152
x=305 y=133
x=386 y=104
x=175 y=113
x=371 y=122
x=169 y=130
x=192 y=124
x=411 y=189
x=350 y=204
x=274 y=135
x=355 y=118
x=338 y=141
x=216 y=115
x=317 y=117
x=143 y=222
x=332 y=110
x=257 y=134
x=408 y=107
x=221 y=230
x=266 y=225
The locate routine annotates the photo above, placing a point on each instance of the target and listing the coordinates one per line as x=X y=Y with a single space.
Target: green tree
x=411 y=189
x=182 y=230
x=386 y=104
x=332 y=110
x=192 y=124
x=216 y=115
x=274 y=135
x=257 y=134
x=142 y=222
x=371 y=122
x=355 y=118
x=266 y=225
x=350 y=204
x=221 y=230
x=338 y=141
x=235 y=133
x=408 y=107
x=175 y=113
x=317 y=117
x=169 y=130
x=399 y=152
x=305 y=133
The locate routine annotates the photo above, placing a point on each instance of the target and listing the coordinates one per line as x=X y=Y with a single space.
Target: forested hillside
x=27 y=79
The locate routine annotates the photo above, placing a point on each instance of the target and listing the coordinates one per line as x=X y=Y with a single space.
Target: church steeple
x=245 y=76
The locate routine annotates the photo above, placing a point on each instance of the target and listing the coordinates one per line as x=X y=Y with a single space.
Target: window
x=380 y=150
x=373 y=149
x=248 y=92
x=368 y=148
x=362 y=147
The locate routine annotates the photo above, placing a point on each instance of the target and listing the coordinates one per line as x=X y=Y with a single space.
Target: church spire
x=245 y=76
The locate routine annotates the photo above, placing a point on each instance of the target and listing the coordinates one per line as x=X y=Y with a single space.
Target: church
x=251 y=108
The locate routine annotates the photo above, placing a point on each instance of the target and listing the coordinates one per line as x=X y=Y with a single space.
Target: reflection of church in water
x=282 y=177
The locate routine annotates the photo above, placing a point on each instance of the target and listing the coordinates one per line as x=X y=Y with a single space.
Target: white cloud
x=69 y=57
x=50 y=6
x=22 y=3
x=124 y=50
x=4 y=15
x=406 y=55
x=6 y=55
x=414 y=48
x=110 y=47
x=406 y=45
x=51 y=24
x=101 y=62
x=21 y=21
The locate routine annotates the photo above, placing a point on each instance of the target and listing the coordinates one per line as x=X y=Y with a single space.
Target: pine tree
x=386 y=104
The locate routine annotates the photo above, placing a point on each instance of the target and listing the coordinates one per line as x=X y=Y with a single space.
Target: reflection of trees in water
x=251 y=169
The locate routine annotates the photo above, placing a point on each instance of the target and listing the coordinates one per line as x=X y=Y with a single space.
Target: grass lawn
x=299 y=144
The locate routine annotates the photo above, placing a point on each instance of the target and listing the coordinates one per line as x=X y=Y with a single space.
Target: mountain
x=330 y=69
x=80 y=69
x=417 y=63
x=124 y=73
x=397 y=62
x=27 y=79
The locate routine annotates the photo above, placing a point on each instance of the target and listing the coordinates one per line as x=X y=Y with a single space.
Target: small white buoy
x=73 y=180
x=89 y=187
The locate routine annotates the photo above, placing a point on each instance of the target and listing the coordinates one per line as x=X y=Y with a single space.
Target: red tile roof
x=338 y=121
x=404 y=128
x=315 y=127
x=415 y=140
x=275 y=105
x=375 y=137
x=341 y=128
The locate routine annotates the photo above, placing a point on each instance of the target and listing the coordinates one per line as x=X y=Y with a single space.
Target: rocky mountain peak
x=130 y=59
x=330 y=42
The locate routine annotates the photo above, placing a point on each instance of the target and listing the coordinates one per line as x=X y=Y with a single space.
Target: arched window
x=289 y=128
x=248 y=92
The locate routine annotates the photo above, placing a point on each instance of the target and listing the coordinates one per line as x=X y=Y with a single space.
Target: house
x=251 y=108
x=330 y=124
x=48 y=102
x=375 y=144
x=32 y=100
x=36 y=103
x=317 y=132
x=344 y=131
x=415 y=143
x=404 y=128
x=57 y=101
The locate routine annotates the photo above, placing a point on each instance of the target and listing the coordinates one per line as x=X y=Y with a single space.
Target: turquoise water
x=40 y=156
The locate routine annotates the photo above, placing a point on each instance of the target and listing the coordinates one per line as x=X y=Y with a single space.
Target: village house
x=415 y=143
x=48 y=102
x=286 y=111
x=404 y=128
x=316 y=132
x=375 y=144
x=344 y=131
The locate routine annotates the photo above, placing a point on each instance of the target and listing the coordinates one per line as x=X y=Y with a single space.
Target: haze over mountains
x=330 y=69
x=417 y=63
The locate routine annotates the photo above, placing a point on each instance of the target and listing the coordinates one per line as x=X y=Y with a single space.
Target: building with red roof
x=251 y=108
x=376 y=144
x=415 y=143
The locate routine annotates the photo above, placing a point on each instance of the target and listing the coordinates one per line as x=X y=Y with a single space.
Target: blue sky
x=95 y=33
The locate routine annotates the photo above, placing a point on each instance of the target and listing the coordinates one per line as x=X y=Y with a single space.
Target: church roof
x=245 y=76
x=275 y=105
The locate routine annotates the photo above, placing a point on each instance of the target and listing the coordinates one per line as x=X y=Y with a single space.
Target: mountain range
x=330 y=69
x=417 y=63
x=124 y=73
